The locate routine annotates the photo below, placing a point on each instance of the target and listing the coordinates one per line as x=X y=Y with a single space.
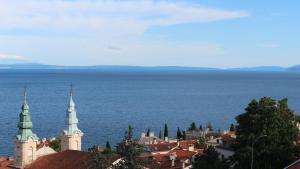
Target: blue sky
x=209 y=33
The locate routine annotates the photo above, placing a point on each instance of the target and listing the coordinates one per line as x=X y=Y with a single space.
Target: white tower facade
x=71 y=135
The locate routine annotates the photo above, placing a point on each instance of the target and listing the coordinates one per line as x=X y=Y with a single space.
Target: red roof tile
x=69 y=159
x=183 y=154
x=295 y=165
x=161 y=147
x=185 y=143
x=4 y=163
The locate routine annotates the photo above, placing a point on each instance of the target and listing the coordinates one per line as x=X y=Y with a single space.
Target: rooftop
x=69 y=159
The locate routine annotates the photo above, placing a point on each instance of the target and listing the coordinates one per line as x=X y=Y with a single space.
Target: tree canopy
x=179 y=134
x=166 y=132
x=209 y=160
x=232 y=127
x=193 y=126
x=277 y=122
x=129 y=150
x=99 y=159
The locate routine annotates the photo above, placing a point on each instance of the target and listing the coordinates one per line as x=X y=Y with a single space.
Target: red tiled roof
x=227 y=137
x=183 y=154
x=185 y=143
x=42 y=144
x=4 y=163
x=69 y=159
x=163 y=162
x=161 y=147
x=295 y=165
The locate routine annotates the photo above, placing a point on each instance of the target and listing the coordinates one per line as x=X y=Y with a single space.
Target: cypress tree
x=232 y=127
x=209 y=126
x=166 y=132
x=193 y=126
x=200 y=127
x=183 y=135
x=148 y=132
x=179 y=134
x=108 y=148
x=159 y=135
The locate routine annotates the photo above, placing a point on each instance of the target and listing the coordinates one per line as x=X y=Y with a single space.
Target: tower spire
x=25 y=94
x=25 y=103
x=26 y=140
x=71 y=103
x=71 y=135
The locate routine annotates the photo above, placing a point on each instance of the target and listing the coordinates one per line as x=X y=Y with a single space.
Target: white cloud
x=269 y=45
x=89 y=32
x=102 y=17
x=11 y=57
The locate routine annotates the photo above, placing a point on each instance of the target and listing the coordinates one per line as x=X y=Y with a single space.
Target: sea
x=108 y=101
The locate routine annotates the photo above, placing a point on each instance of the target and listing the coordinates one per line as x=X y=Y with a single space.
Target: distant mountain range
x=149 y=68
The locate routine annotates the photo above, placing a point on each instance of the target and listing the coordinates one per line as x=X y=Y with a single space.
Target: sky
x=202 y=33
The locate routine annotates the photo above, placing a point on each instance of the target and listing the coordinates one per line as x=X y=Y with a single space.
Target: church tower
x=26 y=140
x=71 y=135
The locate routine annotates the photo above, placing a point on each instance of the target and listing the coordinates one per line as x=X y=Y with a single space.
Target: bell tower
x=71 y=135
x=26 y=140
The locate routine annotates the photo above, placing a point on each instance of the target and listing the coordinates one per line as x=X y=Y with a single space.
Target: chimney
x=191 y=147
x=183 y=164
x=143 y=135
x=173 y=158
x=166 y=139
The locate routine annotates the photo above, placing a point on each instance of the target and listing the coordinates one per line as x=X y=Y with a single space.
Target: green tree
x=201 y=143
x=108 y=148
x=209 y=126
x=193 y=126
x=159 y=135
x=179 y=134
x=277 y=122
x=99 y=159
x=166 y=132
x=130 y=152
x=209 y=160
x=200 y=128
x=55 y=145
x=183 y=135
x=232 y=127
x=148 y=132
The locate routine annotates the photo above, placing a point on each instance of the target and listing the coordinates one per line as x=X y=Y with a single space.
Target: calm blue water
x=108 y=102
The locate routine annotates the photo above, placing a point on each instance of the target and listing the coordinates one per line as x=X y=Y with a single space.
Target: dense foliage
x=193 y=127
x=55 y=145
x=179 y=134
x=166 y=132
x=130 y=152
x=209 y=160
x=232 y=127
x=277 y=122
x=100 y=159
x=201 y=142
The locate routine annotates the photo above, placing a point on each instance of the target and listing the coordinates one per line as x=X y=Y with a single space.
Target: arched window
x=30 y=154
x=77 y=145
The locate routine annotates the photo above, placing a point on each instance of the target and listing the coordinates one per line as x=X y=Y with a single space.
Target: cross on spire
x=25 y=94
x=71 y=89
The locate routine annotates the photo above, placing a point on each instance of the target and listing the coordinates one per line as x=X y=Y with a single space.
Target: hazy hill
x=150 y=68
